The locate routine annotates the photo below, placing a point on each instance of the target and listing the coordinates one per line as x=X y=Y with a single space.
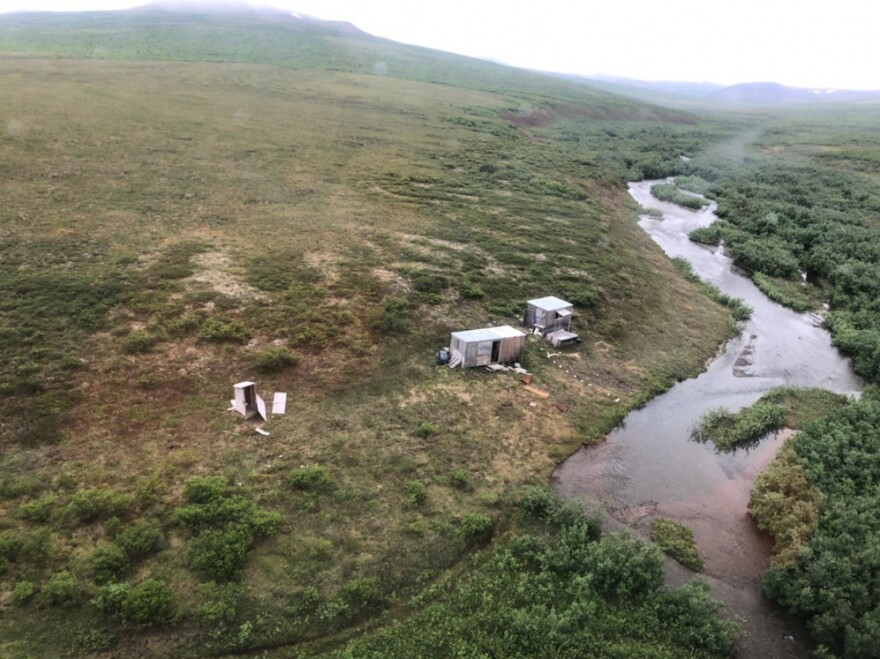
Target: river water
x=649 y=466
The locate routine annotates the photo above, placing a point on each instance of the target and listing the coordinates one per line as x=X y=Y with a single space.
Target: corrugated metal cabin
x=481 y=347
x=548 y=314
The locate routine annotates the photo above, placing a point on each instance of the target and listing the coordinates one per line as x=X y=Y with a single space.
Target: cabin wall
x=476 y=353
x=511 y=349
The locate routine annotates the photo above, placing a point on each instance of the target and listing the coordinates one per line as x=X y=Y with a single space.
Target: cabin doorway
x=496 y=349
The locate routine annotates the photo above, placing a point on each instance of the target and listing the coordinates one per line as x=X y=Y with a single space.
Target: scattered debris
x=540 y=393
x=562 y=338
x=279 y=402
x=265 y=433
x=526 y=379
x=560 y=407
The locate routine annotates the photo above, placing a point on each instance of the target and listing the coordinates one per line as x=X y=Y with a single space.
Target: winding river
x=649 y=467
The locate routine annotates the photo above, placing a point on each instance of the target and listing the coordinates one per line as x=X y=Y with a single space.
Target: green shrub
x=741 y=430
x=582 y=297
x=427 y=429
x=183 y=326
x=140 y=538
x=109 y=598
x=37 y=547
x=23 y=592
x=220 y=554
x=426 y=281
x=415 y=493
x=471 y=291
x=272 y=360
x=98 y=503
x=786 y=504
x=11 y=545
x=221 y=604
x=772 y=256
x=107 y=563
x=320 y=549
x=138 y=342
x=214 y=329
x=460 y=478
x=226 y=526
x=38 y=510
x=395 y=316
x=677 y=541
x=693 y=184
x=91 y=641
x=710 y=235
x=310 y=477
x=149 y=604
x=540 y=503
x=625 y=567
x=204 y=489
x=61 y=589
x=475 y=527
x=362 y=594
x=690 y=613
x=668 y=192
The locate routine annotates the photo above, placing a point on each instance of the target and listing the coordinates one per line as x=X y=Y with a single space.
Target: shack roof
x=550 y=303
x=488 y=334
x=506 y=331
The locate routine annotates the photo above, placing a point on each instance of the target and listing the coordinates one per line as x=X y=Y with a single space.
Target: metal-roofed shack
x=491 y=345
x=551 y=318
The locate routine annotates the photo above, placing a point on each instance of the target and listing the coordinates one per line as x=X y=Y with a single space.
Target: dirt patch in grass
x=217 y=271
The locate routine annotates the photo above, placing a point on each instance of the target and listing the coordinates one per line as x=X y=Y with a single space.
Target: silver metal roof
x=487 y=334
x=506 y=331
x=550 y=303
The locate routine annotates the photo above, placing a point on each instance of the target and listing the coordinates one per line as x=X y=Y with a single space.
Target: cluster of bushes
x=559 y=588
x=677 y=541
x=786 y=504
x=741 y=430
x=779 y=219
x=671 y=193
x=225 y=527
x=272 y=360
x=834 y=583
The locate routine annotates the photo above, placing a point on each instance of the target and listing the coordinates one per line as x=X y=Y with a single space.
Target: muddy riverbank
x=649 y=466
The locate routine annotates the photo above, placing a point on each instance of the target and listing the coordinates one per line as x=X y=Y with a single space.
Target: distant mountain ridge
x=772 y=93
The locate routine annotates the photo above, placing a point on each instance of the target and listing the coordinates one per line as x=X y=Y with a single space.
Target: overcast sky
x=810 y=43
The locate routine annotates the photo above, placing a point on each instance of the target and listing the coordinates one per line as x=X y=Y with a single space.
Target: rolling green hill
x=192 y=200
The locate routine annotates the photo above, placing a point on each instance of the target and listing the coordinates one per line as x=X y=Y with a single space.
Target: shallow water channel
x=649 y=466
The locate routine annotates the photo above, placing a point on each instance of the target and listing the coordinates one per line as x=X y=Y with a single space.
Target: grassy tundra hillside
x=195 y=200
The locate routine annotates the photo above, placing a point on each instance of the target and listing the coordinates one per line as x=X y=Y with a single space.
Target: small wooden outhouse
x=491 y=345
x=247 y=402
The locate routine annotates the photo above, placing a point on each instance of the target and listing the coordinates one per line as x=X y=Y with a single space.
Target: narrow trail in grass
x=649 y=467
